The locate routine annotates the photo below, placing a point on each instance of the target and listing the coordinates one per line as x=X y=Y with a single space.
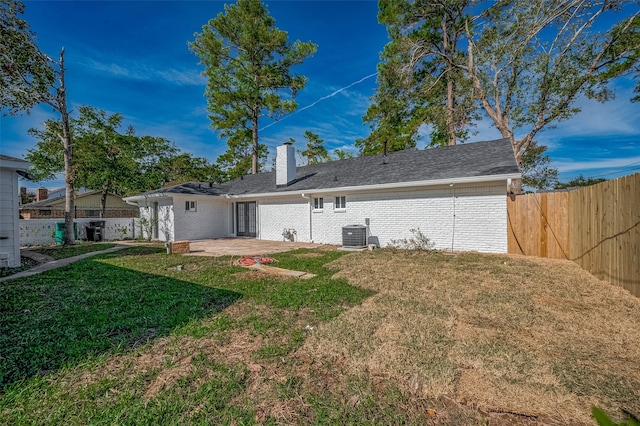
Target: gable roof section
x=472 y=160
x=13 y=162
x=60 y=199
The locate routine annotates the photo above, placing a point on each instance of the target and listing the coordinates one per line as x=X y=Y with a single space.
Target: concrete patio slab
x=247 y=246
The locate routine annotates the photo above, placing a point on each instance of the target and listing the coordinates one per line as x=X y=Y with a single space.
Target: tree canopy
x=521 y=63
x=248 y=62
x=420 y=80
x=316 y=152
x=26 y=74
x=111 y=158
x=29 y=77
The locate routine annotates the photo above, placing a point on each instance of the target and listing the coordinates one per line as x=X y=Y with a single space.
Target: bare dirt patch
x=531 y=338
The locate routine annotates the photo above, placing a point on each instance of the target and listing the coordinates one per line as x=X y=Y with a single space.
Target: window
x=318 y=203
x=341 y=203
x=190 y=206
x=92 y=213
x=44 y=212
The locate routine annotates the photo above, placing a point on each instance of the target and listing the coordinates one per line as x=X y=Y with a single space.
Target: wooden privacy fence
x=597 y=226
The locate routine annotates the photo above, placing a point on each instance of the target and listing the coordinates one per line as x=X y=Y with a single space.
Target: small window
x=44 y=212
x=92 y=213
x=190 y=206
x=318 y=203
x=341 y=203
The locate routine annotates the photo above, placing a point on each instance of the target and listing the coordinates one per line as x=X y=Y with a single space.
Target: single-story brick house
x=9 y=223
x=455 y=195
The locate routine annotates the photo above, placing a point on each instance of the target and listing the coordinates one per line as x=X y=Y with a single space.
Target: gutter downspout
x=310 y=216
x=453 y=225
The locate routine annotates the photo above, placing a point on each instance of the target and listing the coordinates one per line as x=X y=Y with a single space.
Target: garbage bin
x=95 y=230
x=60 y=227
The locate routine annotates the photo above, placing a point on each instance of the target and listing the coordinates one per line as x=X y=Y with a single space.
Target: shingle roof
x=9 y=158
x=451 y=162
x=57 y=198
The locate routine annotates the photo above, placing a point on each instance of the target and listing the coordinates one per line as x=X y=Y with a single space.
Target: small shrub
x=419 y=242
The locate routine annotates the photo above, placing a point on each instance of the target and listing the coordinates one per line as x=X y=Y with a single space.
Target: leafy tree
x=111 y=160
x=531 y=59
x=26 y=74
x=316 y=152
x=184 y=167
x=578 y=182
x=248 y=64
x=536 y=170
x=627 y=50
x=527 y=62
x=420 y=81
x=30 y=77
x=342 y=154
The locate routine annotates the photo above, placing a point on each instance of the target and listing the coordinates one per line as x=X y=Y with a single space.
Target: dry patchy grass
x=536 y=338
x=445 y=339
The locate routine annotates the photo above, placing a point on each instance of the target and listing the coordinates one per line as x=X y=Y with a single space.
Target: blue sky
x=132 y=57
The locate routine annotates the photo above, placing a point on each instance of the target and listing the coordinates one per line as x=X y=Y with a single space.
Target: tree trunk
x=103 y=201
x=254 y=147
x=451 y=131
x=69 y=203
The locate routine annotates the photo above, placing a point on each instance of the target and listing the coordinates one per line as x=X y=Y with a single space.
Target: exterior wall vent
x=354 y=236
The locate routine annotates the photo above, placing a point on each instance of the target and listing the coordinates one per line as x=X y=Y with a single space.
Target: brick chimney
x=42 y=194
x=285 y=164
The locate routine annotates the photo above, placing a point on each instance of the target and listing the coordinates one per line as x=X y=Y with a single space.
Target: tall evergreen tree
x=248 y=62
x=316 y=152
x=420 y=81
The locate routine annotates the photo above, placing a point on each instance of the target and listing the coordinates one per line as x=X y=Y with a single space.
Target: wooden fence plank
x=598 y=227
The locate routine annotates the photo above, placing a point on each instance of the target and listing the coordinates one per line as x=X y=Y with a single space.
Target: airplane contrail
x=330 y=95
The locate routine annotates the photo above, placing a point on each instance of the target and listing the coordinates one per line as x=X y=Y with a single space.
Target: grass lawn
x=391 y=338
x=62 y=252
x=55 y=253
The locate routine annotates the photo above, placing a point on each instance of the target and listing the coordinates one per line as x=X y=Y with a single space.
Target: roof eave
x=389 y=186
x=15 y=164
x=135 y=199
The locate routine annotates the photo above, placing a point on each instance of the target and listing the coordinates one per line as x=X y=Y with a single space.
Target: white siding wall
x=480 y=217
x=9 y=247
x=274 y=216
x=209 y=220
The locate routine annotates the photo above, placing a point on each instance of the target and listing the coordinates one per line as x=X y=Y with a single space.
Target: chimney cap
x=288 y=143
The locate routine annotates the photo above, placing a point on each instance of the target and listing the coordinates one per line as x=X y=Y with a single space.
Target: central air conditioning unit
x=354 y=236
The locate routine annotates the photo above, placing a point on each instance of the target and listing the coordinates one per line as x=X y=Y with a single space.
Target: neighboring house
x=456 y=196
x=9 y=201
x=87 y=205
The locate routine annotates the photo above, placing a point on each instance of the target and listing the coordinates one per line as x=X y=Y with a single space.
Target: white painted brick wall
x=480 y=217
x=274 y=216
x=42 y=231
x=480 y=221
x=210 y=220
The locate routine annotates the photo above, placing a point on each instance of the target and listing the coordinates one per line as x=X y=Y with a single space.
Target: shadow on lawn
x=64 y=316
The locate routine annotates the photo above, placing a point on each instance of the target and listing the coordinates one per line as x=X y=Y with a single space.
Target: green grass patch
x=74 y=341
x=63 y=252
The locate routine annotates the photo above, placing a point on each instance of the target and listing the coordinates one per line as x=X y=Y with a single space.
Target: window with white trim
x=318 y=203
x=340 y=203
x=190 y=206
